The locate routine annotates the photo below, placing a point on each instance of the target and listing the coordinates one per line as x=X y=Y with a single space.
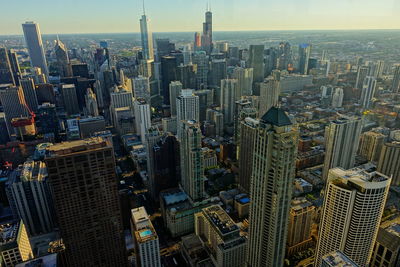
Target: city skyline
x=232 y=16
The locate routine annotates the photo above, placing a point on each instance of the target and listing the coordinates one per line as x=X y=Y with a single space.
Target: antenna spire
x=144 y=10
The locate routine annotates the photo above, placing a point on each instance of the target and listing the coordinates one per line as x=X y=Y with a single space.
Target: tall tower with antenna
x=206 y=39
x=146 y=36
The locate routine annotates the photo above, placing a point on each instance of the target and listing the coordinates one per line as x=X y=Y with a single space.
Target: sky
x=114 y=16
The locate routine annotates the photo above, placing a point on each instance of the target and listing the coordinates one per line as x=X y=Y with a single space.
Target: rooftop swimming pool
x=146 y=233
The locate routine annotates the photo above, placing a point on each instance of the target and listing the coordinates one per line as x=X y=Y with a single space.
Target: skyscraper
x=33 y=40
x=245 y=81
x=200 y=59
x=141 y=87
x=142 y=117
x=147 y=38
x=85 y=194
x=304 y=57
x=28 y=87
x=228 y=89
x=256 y=61
x=147 y=247
x=362 y=73
x=371 y=144
x=389 y=161
x=192 y=173
x=206 y=38
x=62 y=59
x=269 y=94
x=368 y=92
x=6 y=74
x=70 y=99
x=169 y=74
x=351 y=224
x=175 y=88
x=275 y=150
x=187 y=108
x=396 y=79
x=337 y=98
x=217 y=72
x=341 y=143
x=91 y=107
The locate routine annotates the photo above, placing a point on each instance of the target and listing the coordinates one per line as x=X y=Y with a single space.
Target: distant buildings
x=256 y=62
x=304 y=58
x=368 y=92
x=351 y=224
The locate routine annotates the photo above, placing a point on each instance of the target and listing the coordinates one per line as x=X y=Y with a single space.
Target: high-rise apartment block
x=147 y=247
x=275 y=150
x=341 y=143
x=371 y=144
x=85 y=194
x=389 y=161
x=353 y=207
x=220 y=233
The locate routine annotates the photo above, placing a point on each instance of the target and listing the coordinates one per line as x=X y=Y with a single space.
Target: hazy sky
x=100 y=16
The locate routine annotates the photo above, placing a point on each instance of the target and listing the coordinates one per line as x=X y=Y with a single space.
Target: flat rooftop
x=337 y=258
x=359 y=176
x=8 y=232
x=220 y=219
x=65 y=148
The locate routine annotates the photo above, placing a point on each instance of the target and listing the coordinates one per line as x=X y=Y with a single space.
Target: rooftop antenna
x=144 y=10
x=58 y=39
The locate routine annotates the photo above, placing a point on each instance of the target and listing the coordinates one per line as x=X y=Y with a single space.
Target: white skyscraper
x=147 y=38
x=33 y=40
x=187 y=108
x=269 y=94
x=141 y=87
x=175 y=88
x=368 y=91
x=352 y=211
x=245 y=81
x=142 y=117
x=337 y=98
x=147 y=248
x=341 y=143
x=228 y=89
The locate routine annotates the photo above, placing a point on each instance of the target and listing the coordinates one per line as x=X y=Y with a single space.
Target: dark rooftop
x=277 y=117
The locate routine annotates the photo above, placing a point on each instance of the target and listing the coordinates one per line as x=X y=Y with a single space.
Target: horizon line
x=274 y=30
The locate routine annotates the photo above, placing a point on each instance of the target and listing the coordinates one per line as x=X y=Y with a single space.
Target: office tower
x=206 y=98
x=147 y=248
x=70 y=99
x=300 y=225
x=192 y=173
x=33 y=41
x=337 y=98
x=256 y=61
x=389 y=161
x=245 y=81
x=123 y=120
x=14 y=105
x=368 y=92
x=284 y=57
x=91 y=125
x=28 y=87
x=187 y=108
x=362 y=73
x=80 y=70
x=91 y=107
x=169 y=125
x=248 y=133
x=141 y=87
x=147 y=38
x=275 y=150
x=47 y=119
x=85 y=194
x=152 y=137
x=396 y=79
x=142 y=117
x=351 y=224
x=186 y=74
x=45 y=93
x=200 y=59
x=14 y=246
x=164 y=47
x=31 y=198
x=13 y=58
x=221 y=235
x=217 y=72
x=175 y=88
x=166 y=170
x=228 y=89
x=206 y=38
x=337 y=259
x=245 y=107
x=216 y=118
x=341 y=143
x=187 y=54
x=371 y=144
x=6 y=73
x=168 y=72
x=269 y=94
x=304 y=58
x=62 y=59
x=387 y=246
